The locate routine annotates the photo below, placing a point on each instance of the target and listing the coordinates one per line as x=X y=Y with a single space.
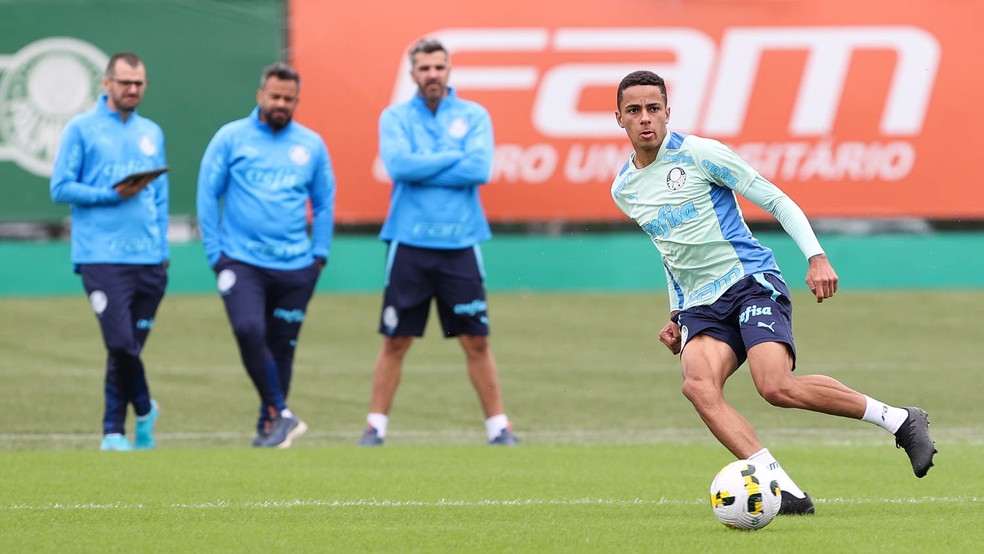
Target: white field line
x=450 y=503
x=832 y=436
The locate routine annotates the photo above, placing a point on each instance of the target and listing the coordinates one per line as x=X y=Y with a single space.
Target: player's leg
x=463 y=310
x=110 y=293
x=706 y=363
x=766 y=327
x=287 y=299
x=712 y=350
x=406 y=306
x=243 y=290
x=151 y=282
x=286 y=310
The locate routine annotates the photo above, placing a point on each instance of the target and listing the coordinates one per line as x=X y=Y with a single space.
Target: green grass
x=614 y=458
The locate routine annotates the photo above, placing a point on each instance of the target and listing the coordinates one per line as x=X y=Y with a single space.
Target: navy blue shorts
x=455 y=278
x=754 y=310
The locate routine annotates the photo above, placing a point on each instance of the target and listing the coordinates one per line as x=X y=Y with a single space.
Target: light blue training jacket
x=437 y=162
x=264 y=181
x=97 y=150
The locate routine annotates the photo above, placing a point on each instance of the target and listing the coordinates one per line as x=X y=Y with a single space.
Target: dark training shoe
x=370 y=437
x=505 y=438
x=262 y=434
x=283 y=431
x=914 y=437
x=793 y=506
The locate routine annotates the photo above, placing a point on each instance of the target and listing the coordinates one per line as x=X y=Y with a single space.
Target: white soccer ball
x=745 y=495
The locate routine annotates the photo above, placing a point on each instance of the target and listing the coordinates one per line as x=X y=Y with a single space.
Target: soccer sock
x=495 y=424
x=786 y=483
x=887 y=417
x=286 y=413
x=378 y=422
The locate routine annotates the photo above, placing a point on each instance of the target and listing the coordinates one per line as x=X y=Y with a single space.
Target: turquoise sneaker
x=115 y=442
x=145 y=428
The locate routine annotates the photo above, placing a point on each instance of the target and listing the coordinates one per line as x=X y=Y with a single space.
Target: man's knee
x=474 y=345
x=249 y=329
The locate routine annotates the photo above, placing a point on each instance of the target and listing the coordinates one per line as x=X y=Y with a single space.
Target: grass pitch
x=614 y=458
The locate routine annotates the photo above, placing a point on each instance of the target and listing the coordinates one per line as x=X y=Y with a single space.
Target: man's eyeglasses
x=127 y=84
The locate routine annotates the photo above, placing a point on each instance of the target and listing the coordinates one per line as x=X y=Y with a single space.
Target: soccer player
x=119 y=236
x=438 y=150
x=257 y=177
x=728 y=302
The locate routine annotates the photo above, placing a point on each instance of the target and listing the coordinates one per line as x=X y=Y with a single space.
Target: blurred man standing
x=119 y=235
x=438 y=150
x=257 y=177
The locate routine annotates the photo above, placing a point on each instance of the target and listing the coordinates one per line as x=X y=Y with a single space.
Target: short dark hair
x=130 y=58
x=282 y=71
x=640 y=78
x=425 y=46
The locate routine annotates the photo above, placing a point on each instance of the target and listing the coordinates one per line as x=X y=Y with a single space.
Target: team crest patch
x=147 y=146
x=676 y=178
x=300 y=155
x=458 y=128
x=390 y=317
x=42 y=86
x=225 y=280
x=98 y=301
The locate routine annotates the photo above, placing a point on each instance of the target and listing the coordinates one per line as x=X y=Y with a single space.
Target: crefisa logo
x=42 y=86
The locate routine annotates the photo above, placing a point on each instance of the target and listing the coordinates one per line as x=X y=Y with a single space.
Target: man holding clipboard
x=111 y=171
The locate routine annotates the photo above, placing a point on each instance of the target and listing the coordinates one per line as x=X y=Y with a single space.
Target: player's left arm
x=322 y=194
x=820 y=275
x=727 y=169
x=475 y=168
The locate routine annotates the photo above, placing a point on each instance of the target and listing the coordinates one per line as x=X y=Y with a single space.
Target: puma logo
x=768 y=326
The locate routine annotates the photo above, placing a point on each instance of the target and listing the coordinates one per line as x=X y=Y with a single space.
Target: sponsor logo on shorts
x=769 y=326
x=146 y=324
x=472 y=308
x=755 y=311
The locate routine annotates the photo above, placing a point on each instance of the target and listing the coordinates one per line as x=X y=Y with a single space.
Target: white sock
x=786 y=483
x=495 y=424
x=378 y=422
x=286 y=413
x=887 y=417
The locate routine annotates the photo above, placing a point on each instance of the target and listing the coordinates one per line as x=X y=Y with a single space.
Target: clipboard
x=132 y=179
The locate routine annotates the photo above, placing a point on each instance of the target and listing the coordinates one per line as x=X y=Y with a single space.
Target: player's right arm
x=670 y=334
x=401 y=161
x=213 y=177
x=65 y=185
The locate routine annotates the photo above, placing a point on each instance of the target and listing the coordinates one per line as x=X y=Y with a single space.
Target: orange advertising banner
x=856 y=109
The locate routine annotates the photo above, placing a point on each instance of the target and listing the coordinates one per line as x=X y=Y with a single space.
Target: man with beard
x=257 y=176
x=119 y=235
x=438 y=150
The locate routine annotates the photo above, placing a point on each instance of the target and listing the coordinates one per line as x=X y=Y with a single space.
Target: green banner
x=203 y=60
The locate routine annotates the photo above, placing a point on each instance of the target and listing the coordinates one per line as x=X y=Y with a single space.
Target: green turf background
x=583 y=262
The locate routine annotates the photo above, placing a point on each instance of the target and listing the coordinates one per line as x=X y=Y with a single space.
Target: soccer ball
x=745 y=495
